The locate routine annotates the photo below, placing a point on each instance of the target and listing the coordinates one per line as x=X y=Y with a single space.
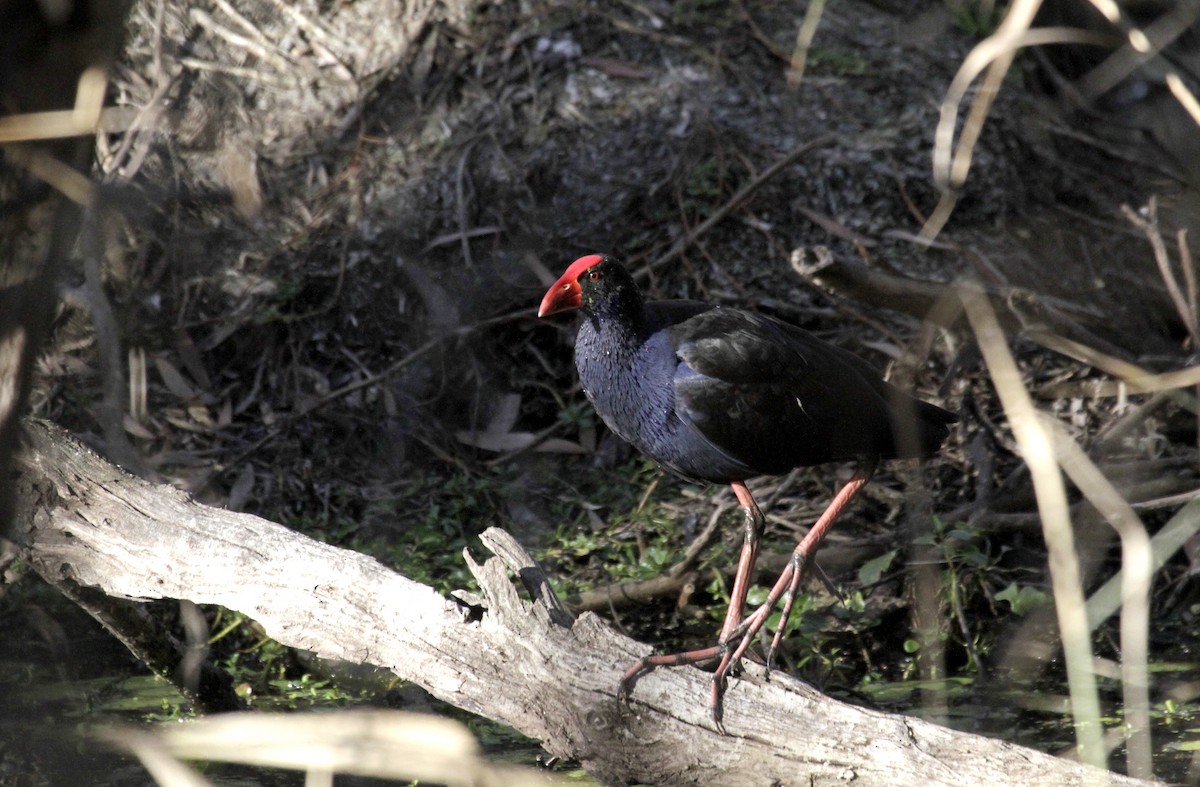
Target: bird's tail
x=918 y=428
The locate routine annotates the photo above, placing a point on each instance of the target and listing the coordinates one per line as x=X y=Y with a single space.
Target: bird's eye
x=594 y=275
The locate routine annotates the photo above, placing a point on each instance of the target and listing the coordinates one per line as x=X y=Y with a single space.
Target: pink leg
x=787 y=583
x=753 y=524
x=745 y=630
x=742 y=580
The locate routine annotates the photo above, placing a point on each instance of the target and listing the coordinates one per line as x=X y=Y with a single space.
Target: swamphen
x=720 y=394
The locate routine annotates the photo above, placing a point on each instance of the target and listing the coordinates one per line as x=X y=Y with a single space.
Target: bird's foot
x=729 y=652
x=795 y=566
x=720 y=652
x=717 y=702
x=652 y=662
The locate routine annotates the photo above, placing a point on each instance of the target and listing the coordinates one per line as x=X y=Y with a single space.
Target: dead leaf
x=135 y=428
x=174 y=380
x=506 y=442
x=504 y=417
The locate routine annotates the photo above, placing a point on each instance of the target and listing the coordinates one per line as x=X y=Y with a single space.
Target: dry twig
x=1137 y=574
x=737 y=199
x=1038 y=452
x=995 y=55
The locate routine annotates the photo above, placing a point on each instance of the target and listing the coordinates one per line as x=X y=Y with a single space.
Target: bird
x=721 y=394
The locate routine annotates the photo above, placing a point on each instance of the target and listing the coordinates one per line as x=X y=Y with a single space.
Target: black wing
x=774 y=396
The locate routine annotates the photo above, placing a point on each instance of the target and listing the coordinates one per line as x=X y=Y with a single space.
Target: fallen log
x=517 y=658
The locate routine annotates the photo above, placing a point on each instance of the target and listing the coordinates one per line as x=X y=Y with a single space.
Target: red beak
x=566 y=294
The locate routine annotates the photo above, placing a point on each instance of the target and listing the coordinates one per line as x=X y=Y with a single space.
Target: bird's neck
x=622 y=317
x=625 y=368
x=620 y=333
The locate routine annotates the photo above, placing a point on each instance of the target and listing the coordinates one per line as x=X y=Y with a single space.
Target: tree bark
x=518 y=658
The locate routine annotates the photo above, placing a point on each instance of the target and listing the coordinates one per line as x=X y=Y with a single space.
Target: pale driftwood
x=522 y=662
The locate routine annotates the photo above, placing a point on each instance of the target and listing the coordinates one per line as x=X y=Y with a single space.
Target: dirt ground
x=279 y=238
x=330 y=228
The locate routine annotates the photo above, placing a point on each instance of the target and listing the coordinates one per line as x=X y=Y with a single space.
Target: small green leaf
x=911 y=646
x=656 y=556
x=872 y=570
x=1022 y=599
x=756 y=595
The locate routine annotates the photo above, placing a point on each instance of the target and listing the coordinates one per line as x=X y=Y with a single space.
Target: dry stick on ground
x=994 y=55
x=926 y=300
x=521 y=662
x=737 y=199
x=1137 y=566
x=671 y=582
x=1037 y=450
x=1134 y=377
x=861 y=283
x=1185 y=305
